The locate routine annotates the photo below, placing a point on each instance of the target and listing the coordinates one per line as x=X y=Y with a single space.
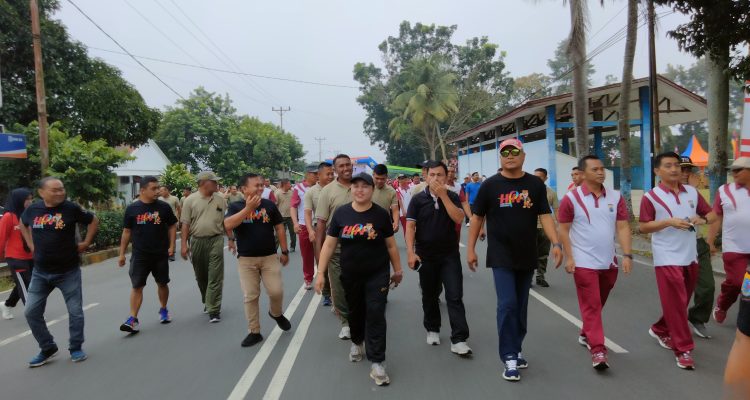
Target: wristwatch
x=630 y=256
x=285 y=252
x=558 y=245
x=232 y=239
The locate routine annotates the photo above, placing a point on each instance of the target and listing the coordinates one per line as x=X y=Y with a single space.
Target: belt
x=205 y=237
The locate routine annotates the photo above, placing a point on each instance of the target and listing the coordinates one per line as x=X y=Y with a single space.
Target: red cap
x=511 y=142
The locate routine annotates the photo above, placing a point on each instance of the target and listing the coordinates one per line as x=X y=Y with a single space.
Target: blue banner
x=12 y=145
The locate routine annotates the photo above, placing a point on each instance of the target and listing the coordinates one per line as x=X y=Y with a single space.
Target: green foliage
x=177 y=177
x=110 y=228
x=561 y=66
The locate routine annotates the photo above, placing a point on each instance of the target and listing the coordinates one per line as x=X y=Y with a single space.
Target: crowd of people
x=345 y=224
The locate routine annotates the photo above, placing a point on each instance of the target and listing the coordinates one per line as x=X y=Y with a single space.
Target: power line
x=281 y=111
x=320 y=141
x=124 y=49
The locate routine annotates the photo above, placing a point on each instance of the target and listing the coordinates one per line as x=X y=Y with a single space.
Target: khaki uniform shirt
x=172 y=201
x=331 y=198
x=205 y=215
x=418 y=188
x=554 y=204
x=235 y=197
x=284 y=202
x=385 y=197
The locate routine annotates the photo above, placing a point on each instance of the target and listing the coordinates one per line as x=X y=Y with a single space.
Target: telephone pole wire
x=281 y=111
x=320 y=148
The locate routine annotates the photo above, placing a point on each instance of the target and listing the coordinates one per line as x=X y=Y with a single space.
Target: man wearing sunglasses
x=512 y=201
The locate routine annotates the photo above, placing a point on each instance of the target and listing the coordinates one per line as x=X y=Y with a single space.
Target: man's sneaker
x=42 y=358
x=378 y=374
x=171 y=258
x=251 y=339
x=699 y=329
x=541 y=282
x=6 y=311
x=719 y=315
x=521 y=362
x=281 y=321
x=664 y=341
x=468 y=224
x=130 y=325
x=511 y=371
x=78 y=356
x=433 y=338
x=214 y=318
x=583 y=341
x=599 y=361
x=205 y=310
x=327 y=301
x=356 y=352
x=308 y=285
x=461 y=348
x=164 y=316
x=685 y=361
x=345 y=333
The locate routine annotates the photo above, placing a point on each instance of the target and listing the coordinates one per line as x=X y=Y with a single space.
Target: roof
x=677 y=105
x=695 y=151
x=149 y=160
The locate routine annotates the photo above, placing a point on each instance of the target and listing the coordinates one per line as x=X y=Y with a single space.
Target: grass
x=6 y=284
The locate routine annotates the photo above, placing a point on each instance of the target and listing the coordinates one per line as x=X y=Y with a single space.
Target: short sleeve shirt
x=172 y=201
x=333 y=196
x=553 y=204
x=255 y=235
x=149 y=226
x=311 y=197
x=53 y=232
x=417 y=188
x=512 y=207
x=362 y=238
x=284 y=200
x=385 y=197
x=436 y=232
x=204 y=214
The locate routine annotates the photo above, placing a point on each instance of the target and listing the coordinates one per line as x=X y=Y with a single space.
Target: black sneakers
x=214 y=318
x=252 y=339
x=281 y=321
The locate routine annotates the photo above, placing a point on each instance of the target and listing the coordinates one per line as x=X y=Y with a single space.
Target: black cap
x=363 y=176
x=686 y=162
x=423 y=163
x=311 y=168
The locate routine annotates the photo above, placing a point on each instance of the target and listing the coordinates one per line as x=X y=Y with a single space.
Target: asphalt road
x=192 y=359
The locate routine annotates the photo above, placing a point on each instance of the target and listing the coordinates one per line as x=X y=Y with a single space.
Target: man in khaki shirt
x=203 y=224
x=165 y=195
x=385 y=195
x=543 y=243
x=325 y=176
x=284 y=204
x=331 y=198
x=419 y=187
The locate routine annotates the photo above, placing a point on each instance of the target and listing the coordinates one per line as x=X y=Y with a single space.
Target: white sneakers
x=378 y=374
x=6 y=311
x=433 y=338
x=345 y=333
x=356 y=353
x=460 y=348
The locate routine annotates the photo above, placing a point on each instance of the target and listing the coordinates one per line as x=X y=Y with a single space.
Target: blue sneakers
x=164 y=316
x=511 y=371
x=130 y=325
x=327 y=301
x=521 y=362
x=78 y=356
x=42 y=358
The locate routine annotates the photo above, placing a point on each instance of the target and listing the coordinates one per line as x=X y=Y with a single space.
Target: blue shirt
x=471 y=190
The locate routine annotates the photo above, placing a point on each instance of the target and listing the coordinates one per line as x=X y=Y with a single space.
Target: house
x=149 y=160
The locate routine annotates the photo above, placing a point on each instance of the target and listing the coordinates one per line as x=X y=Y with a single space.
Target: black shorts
x=143 y=264
x=743 y=318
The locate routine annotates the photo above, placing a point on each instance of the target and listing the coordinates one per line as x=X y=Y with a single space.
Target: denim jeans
x=512 y=290
x=434 y=274
x=42 y=284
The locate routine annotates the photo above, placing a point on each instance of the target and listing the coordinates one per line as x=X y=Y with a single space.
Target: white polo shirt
x=672 y=246
x=404 y=196
x=594 y=225
x=733 y=202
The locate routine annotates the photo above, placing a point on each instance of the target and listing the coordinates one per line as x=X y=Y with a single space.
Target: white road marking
x=251 y=373
x=50 y=323
x=278 y=382
x=573 y=320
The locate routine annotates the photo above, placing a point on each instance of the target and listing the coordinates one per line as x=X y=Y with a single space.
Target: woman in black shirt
x=367 y=246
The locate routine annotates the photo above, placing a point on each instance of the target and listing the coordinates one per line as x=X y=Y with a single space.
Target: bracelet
x=630 y=256
x=232 y=239
x=400 y=272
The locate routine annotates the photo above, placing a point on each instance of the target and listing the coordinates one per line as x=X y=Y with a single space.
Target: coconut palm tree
x=623 y=124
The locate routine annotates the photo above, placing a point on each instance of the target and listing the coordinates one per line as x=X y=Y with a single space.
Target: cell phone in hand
x=417 y=265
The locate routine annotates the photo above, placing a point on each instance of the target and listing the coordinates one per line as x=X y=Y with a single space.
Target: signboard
x=12 y=145
x=745 y=135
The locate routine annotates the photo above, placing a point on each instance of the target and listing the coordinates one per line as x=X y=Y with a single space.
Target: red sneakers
x=685 y=361
x=599 y=361
x=719 y=315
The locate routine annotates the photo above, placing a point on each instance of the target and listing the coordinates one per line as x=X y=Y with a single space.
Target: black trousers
x=21 y=272
x=433 y=276
x=366 y=295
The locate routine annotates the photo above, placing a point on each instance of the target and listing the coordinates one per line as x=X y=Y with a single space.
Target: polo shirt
x=284 y=202
x=417 y=188
x=471 y=190
x=404 y=196
x=231 y=198
x=732 y=201
x=593 y=225
x=385 y=197
x=172 y=201
x=333 y=196
x=204 y=214
x=311 y=198
x=436 y=235
x=672 y=246
x=298 y=200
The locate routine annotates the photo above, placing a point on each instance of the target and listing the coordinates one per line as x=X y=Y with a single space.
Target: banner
x=12 y=145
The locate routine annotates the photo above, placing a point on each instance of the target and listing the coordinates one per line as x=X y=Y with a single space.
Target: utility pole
x=281 y=111
x=653 y=83
x=320 y=147
x=41 y=102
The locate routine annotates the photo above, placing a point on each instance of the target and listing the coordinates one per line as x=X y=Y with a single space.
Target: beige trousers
x=252 y=271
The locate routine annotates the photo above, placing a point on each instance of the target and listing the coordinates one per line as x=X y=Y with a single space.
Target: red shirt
x=11 y=241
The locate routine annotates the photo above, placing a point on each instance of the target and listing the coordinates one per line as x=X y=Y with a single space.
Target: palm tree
x=577 y=52
x=623 y=123
x=429 y=98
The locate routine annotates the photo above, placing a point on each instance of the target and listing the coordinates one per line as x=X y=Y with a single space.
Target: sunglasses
x=514 y=152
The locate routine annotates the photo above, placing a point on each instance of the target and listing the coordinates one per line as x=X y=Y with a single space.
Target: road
x=192 y=359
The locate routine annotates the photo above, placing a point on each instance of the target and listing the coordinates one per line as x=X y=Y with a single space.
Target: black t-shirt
x=743 y=317
x=362 y=237
x=149 y=226
x=436 y=232
x=53 y=231
x=512 y=207
x=255 y=235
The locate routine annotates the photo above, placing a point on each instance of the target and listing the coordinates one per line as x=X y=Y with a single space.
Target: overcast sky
x=321 y=41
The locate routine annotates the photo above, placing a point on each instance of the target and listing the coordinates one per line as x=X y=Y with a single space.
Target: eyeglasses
x=514 y=152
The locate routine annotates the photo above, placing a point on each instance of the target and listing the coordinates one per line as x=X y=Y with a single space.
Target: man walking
x=203 y=239
x=174 y=204
x=589 y=216
x=233 y=195
x=152 y=226
x=431 y=241
x=325 y=176
x=297 y=211
x=417 y=184
x=50 y=227
x=284 y=204
x=384 y=195
x=542 y=242
x=471 y=190
x=512 y=201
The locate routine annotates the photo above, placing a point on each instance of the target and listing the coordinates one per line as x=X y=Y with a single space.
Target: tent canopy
x=696 y=153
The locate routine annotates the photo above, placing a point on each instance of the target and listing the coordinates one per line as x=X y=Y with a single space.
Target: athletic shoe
x=171 y=258
x=583 y=341
x=42 y=358
x=78 y=356
x=461 y=348
x=541 y=282
x=599 y=361
x=468 y=224
x=521 y=362
x=356 y=352
x=345 y=333
x=511 y=371
x=281 y=321
x=699 y=329
x=130 y=325
x=719 y=315
x=685 y=361
x=164 y=316
x=214 y=318
x=378 y=374
x=433 y=338
x=6 y=311
x=664 y=341
x=251 y=339
x=327 y=301
x=205 y=310
x=308 y=285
